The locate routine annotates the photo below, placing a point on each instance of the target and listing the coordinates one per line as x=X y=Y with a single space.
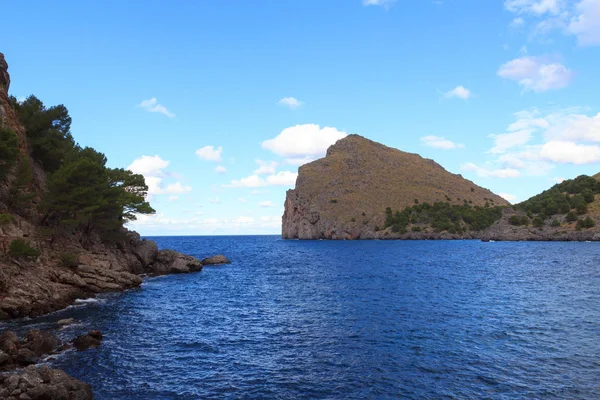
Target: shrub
x=555 y=223
x=571 y=217
x=416 y=229
x=69 y=260
x=353 y=219
x=21 y=249
x=585 y=223
x=9 y=150
x=538 y=222
x=333 y=201
x=6 y=219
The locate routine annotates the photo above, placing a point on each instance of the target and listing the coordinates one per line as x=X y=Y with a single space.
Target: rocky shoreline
x=41 y=287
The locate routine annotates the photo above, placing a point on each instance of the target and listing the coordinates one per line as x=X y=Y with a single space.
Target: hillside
x=345 y=194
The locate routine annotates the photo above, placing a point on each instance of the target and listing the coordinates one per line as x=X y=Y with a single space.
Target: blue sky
x=218 y=102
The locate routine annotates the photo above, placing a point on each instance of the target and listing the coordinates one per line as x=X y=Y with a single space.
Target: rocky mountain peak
x=4 y=76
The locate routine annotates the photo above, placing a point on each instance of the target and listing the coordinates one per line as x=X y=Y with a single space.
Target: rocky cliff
x=345 y=194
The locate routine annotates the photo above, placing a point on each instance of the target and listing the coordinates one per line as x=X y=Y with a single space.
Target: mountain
x=345 y=194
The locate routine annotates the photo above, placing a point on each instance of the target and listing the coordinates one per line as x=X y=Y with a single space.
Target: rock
x=92 y=339
x=26 y=356
x=173 y=262
x=43 y=383
x=41 y=343
x=66 y=321
x=3 y=357
x=146 y=251
x=8 y=342
x=216 y=260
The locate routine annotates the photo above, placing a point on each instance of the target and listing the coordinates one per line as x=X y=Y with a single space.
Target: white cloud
x=173 y=198
x=508 y=197
x=440 y=143
x=585 y=25
x=210 y=153
x=383 y=3
x=570 y=153
x=574 y=127
x=216 y=200
x=490 y=173
x=177 y=188
x=242 y=200
x=517 y=22
x=460 y=91
x=536 y=7
x=152 y=170
x=536 y=73
x=303 y=140
x=299 y=160
x=282 y=178
x=151 y=105
x=290 y=102
x=267 y=203
x=220 y=169
x=161 y=223
x=265 y=167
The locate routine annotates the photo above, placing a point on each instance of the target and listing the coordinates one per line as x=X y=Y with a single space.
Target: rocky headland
x=365 y=190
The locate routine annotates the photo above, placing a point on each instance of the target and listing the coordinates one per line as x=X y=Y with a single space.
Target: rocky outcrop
x=172 y=262
x=15 y=353
x=43 y=383
x=90 y=340
x=216 y=260
x=345 y=194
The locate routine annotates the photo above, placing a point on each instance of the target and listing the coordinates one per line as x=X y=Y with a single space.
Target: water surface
x=352 y=320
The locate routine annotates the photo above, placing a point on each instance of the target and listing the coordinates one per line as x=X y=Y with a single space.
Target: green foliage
x=571 y=217
x=585 y=223
x=555 y=223
x=81 y=191
x=538 y=222
x=443 y=217
x=416 y=229
x=84 y=193
x=48 y=131
x=574 y=194
x=6 y=219
x=69 y=260
x=9 y=150
x=19 y=192
x=21 y=249
x=333 y=201
x=518 y=220
x=353 y=219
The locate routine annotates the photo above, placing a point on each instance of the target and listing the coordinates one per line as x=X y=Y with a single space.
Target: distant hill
x=345 y=195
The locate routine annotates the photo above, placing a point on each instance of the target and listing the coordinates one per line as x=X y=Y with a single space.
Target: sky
x=217 y=103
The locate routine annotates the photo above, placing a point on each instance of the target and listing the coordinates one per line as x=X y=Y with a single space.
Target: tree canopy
x=81 y=191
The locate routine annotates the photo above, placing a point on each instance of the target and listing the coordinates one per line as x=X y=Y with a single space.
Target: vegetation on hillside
x=441 y=217
x=570 y=197
x=81 y=191
x=9 y=150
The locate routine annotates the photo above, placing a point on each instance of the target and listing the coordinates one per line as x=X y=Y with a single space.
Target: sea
x=292 y=319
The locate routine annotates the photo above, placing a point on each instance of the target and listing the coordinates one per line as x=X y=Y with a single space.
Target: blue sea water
x=351 y=320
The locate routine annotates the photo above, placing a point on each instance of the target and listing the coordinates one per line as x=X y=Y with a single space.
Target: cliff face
x=345 y=194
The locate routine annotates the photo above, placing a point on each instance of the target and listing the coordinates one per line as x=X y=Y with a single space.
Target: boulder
x=41 y=343
x=9 y=342
x=146 y=251
x=173 y=262
x=26 y=356
x=43 y=383
x=91 y=340
x=216 y=260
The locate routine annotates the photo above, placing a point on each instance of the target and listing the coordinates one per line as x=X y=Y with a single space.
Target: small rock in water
x=215 y=260
x=93 y=339
x=67 y=321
